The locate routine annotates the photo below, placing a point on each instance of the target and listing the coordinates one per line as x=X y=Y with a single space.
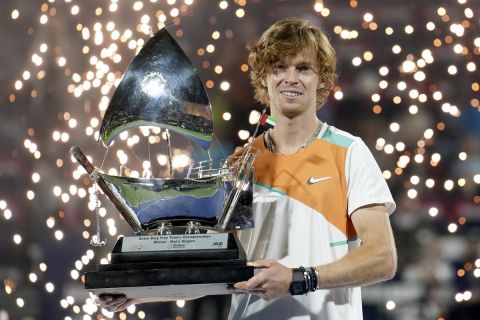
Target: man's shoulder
x=337 y=136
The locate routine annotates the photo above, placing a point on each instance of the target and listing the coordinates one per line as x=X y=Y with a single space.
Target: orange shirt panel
x=323 y=163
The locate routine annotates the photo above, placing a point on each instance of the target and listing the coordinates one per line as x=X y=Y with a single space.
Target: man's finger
x=115 y=302
x=240 y=285
x=111 y=301
x=254 y=282
x=238 y=150
x=260 y=263
x=237 y=153
x=125 y=304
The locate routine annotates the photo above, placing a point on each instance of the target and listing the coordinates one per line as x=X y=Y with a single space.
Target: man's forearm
x=365 y=265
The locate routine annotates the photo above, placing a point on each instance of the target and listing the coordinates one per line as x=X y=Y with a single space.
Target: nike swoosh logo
x=313 y=180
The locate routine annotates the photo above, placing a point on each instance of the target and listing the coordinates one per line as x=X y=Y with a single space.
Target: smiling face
x=286 y=38
x=292 y=85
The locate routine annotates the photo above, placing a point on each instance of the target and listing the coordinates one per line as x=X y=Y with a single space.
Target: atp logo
x=217 y=244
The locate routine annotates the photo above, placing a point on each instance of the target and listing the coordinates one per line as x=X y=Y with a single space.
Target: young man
x=321 y=203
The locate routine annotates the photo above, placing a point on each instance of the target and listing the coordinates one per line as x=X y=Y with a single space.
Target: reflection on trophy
x=185 y=242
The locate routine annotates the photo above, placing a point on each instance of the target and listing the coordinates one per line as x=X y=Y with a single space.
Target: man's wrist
x=304 y=280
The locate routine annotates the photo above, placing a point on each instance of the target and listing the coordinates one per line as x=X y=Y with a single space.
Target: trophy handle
x=243 y=180
x=82 y=159
x=95 y=177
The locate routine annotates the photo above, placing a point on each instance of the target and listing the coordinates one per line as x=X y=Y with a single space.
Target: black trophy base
x=171 y=273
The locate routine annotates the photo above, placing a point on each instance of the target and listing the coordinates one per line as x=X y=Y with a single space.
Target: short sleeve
x=365 y=182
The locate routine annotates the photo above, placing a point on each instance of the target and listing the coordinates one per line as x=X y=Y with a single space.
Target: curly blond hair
x=285 y=38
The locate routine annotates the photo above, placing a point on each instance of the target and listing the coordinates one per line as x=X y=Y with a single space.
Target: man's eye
x=280 y=67
x=304 y=68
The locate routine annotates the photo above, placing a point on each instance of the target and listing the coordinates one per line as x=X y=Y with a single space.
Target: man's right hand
x=114 y=303
x=119 y=302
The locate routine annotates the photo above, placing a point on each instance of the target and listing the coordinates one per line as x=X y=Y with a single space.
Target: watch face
x=297 y=287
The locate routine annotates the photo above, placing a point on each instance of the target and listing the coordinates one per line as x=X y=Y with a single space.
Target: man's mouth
x=290 y=94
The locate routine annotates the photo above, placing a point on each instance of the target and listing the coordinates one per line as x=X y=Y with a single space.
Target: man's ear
x=264 y=83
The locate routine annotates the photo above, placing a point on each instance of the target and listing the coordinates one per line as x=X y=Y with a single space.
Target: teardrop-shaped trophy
x=160 y=88
x=172 y=253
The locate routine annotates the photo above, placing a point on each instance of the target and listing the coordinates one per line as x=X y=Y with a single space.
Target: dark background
x=436 y=227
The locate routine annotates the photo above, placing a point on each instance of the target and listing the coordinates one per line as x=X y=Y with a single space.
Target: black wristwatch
x=298 y=285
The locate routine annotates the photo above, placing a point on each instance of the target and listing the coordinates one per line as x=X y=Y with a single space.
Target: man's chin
x=292 y=109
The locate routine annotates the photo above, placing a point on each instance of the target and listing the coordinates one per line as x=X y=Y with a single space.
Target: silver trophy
x=185 y=242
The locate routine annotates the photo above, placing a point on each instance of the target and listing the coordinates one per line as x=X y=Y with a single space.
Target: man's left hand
x=273 y=280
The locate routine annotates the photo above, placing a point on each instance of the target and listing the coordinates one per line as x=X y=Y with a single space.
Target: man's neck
x=290 y=134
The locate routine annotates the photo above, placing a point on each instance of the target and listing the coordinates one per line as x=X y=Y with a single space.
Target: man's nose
x=291 y=76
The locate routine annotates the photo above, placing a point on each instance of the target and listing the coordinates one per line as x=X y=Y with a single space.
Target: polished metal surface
x=218 y=199
x=149 y=202
x=160 y=88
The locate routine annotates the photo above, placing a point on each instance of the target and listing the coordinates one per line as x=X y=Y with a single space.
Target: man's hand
x=235 y=156
x=273 y=281
x=119 y=302
x=114 y=303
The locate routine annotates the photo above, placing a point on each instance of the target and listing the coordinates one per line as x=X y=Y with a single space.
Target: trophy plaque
x=185 y=242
